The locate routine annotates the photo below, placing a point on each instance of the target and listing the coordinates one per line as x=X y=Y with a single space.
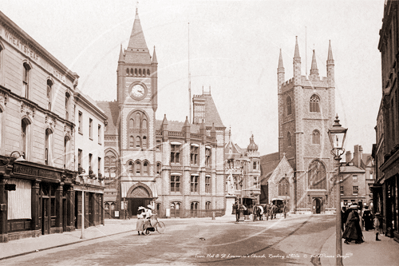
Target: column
x=3 y=211
x=58 y=208
x=35 y=204
x=71 y=208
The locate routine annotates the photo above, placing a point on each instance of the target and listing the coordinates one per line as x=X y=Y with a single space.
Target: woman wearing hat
x=140 y=220
x=352 y=227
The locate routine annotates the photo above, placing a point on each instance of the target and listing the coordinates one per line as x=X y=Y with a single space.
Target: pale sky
x=234 y=48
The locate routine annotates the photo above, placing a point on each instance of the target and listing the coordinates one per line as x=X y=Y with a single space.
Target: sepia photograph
x=203 y=132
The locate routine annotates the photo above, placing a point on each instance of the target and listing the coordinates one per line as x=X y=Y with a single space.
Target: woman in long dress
x=140 y=221
x=352 y=227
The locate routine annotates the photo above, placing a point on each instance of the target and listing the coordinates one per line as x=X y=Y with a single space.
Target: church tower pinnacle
x=297 y=64
x=314 y=72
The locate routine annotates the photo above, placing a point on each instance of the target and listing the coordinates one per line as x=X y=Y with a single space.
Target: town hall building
x=177 y=167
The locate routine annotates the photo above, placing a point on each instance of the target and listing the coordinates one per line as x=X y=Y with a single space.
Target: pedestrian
x=377 y=226
x=367 y=217
x=237 y=209
x=260 y=209
x=352 y=227
x=274 y=211
x=343 y=217
x=140 y=220
x=285 y=211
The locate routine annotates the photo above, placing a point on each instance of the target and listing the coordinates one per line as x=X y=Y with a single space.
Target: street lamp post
x=337 y=135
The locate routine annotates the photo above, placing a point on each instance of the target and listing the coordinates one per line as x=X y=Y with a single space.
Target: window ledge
x=81 y=133
x=91 y=139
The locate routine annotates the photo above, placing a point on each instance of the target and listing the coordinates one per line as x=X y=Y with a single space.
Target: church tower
x=137 y=99
x=306 y=111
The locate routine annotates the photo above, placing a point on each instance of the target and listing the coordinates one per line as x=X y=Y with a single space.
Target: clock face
x=138 y=92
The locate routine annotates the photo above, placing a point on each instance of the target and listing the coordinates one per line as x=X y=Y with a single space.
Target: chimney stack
x=360 y=156
x=356 y=156
x=348 y=156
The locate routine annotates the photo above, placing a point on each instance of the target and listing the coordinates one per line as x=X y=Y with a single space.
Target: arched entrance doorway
x=317 y=205
x=138 y=195
x=175 y=209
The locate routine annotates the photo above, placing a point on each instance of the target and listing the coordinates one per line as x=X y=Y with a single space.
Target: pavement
x=370 y=252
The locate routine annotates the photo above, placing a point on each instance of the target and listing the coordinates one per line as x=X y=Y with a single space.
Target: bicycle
x=159 y=226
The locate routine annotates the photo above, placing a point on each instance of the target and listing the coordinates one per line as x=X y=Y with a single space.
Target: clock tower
x=137 y=103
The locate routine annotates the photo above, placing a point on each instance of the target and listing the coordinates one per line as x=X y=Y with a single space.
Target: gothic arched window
x=288 y=102
x=289 y=141
x=316 y=137
x=314 y=104
x=138 y=167
x=131 y=142
x=283 y=187
x=137 y=130
x=317 y=178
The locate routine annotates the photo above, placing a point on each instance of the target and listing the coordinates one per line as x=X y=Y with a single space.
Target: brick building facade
x=177 y=167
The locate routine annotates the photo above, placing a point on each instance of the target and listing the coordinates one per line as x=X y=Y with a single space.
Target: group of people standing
x=145 y=216
x=258 y=211
x=352 y=223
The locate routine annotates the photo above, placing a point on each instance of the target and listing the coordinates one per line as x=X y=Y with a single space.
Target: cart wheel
x=147 y=232
x=160 y=227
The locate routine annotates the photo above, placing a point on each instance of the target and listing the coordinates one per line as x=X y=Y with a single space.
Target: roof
x=268 y=163
x=211 y=112
x=111 y=110
x=137 y=47
x=351 y=169
x=177 y=126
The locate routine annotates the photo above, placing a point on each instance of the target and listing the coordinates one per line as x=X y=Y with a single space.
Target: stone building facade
x=242 y=173
x=89 y=153
x=177 y=167
x=306 y=110
x=36 y=131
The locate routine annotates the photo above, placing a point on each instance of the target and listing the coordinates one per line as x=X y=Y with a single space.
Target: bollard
x=213 y=215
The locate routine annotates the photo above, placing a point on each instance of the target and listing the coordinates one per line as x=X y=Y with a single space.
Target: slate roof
x=211 y=112
x=268 y=163
x=137 y=51
x=111 y=110
x=177 y=126
x=351 y=169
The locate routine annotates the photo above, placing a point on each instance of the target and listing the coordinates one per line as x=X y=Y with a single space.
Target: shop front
x=35 y=200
